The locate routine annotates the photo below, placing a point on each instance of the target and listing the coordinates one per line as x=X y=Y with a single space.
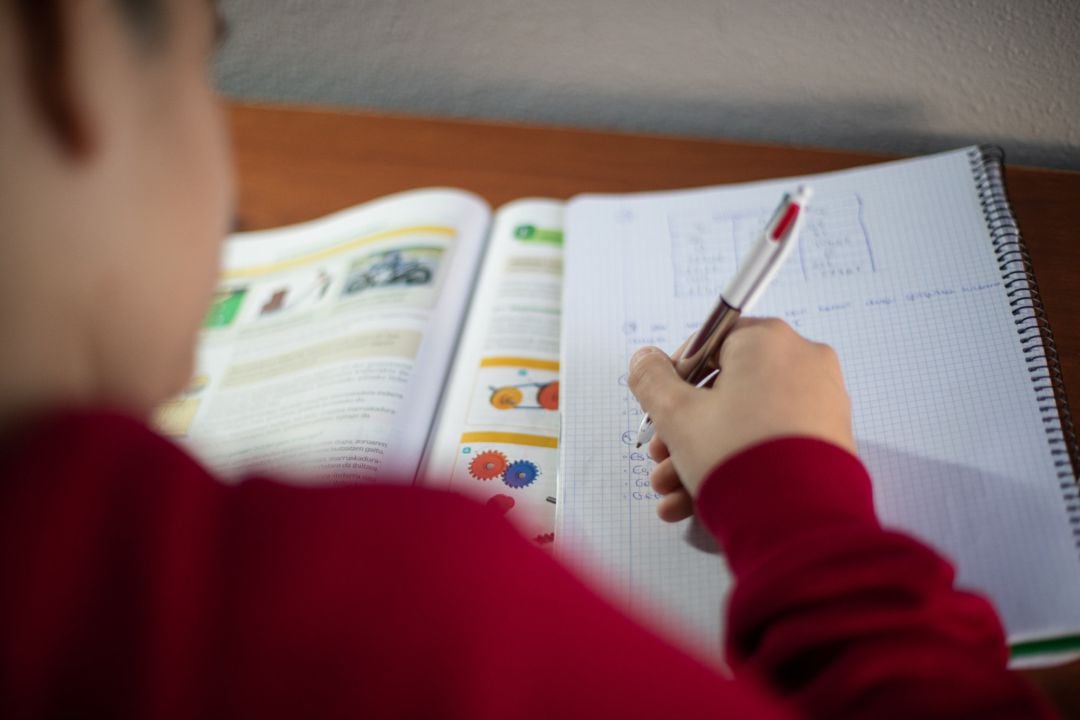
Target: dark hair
x=146 y=18
x=45 y=47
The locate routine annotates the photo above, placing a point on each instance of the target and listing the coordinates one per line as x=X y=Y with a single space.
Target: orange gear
x=548 y=396
x=488 y=465
x=506 y=398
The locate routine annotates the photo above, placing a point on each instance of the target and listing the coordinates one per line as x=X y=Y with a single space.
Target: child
x=133 y=584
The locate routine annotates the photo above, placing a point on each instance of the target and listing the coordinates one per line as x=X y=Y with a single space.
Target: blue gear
x=521 y=474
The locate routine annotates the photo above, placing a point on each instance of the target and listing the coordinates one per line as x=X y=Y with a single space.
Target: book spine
x=1032 y=326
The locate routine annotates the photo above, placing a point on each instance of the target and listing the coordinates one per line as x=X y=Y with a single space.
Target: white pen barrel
x=760 y=265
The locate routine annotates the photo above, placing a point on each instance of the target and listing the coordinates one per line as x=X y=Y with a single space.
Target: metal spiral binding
x=1036 y=338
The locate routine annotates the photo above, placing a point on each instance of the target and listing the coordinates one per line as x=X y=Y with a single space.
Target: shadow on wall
x=868 y=124
x=907 y=78
x=864 y=123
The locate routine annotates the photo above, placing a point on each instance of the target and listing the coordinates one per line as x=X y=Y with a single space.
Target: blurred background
x=899 y=76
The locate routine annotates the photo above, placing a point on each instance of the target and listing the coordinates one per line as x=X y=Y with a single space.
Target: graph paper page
x=895 y=269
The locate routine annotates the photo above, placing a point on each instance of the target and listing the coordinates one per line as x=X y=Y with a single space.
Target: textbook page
x=895 y=270
x=498 y=432
x=328 y=343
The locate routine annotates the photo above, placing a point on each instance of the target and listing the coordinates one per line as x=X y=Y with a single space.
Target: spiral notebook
x=916 y=273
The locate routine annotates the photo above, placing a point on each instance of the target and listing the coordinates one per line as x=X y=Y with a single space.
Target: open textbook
x=415 y=329
x=422 y=337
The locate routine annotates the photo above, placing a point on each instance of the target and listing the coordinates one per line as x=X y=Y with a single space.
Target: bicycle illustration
x=391 y=268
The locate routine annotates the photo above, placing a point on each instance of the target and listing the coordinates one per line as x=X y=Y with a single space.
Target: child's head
x=115 y=192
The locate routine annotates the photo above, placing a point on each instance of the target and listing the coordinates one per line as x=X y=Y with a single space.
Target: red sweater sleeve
x=839 y=616
x=133 y=584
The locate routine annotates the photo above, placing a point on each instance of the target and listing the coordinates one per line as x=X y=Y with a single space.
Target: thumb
x=655 y=383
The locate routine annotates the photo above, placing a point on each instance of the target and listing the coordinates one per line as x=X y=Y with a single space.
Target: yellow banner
x=552 y=365
x=510 y=439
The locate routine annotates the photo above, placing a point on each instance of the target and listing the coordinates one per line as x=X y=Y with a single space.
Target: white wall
x=905 y=76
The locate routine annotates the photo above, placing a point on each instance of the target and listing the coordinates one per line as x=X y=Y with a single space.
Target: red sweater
x=133 y=584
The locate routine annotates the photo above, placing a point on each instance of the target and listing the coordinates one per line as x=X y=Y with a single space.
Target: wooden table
x=298 y=164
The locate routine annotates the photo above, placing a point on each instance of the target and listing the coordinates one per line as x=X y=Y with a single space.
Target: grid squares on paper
x=944 y=410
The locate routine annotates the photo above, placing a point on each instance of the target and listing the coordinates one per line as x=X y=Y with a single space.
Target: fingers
x=676 y=506
x=656 y=385
x=658 y=449
x=664 y=479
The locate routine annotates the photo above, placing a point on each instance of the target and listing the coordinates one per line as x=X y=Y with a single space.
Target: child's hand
x=774 y=383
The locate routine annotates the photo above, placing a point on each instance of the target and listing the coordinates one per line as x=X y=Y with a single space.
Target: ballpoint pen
x=697 y=363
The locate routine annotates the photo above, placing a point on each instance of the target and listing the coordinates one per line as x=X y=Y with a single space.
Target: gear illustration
x=521 y=474
x=548 y=396
x=487 y=465
x=506 y=398
x=512 y=397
